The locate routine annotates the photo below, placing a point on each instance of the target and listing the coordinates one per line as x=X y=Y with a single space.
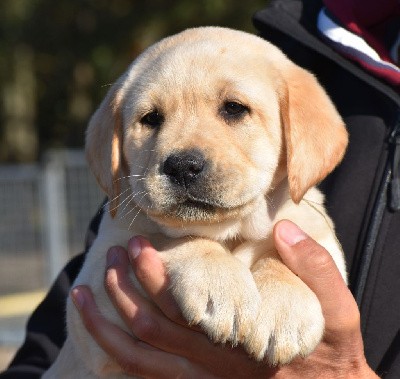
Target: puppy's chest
x=249 y=252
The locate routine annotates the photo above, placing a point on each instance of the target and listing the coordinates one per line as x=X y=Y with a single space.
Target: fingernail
x=291 y=233
x=78 y=297
x=134 y=247
x=112 y=257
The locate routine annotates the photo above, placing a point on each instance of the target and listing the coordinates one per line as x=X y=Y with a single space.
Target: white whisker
x=137 y=202
x=128 y=177
x=115 y=198
x=137 y=213
x=132 y=199
x=122 y=202
x=134 y=218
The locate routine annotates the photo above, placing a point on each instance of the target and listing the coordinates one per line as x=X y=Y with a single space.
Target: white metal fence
x=44 y=214
x=45 y=210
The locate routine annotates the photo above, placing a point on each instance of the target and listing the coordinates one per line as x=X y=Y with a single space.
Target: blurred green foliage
x=58 y=58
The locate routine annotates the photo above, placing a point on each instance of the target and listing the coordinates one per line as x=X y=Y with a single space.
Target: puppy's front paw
x=289 y=323
x=218 y=294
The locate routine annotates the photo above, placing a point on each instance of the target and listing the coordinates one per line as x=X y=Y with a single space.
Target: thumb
x=315 y=267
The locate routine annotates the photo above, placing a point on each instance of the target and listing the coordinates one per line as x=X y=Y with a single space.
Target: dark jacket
x=361 y=196
x=362 y=193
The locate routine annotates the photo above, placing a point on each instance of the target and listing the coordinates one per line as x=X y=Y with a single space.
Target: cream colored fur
x=214 y=237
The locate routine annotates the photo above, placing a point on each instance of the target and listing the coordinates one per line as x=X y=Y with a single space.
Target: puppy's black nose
x=184 y=168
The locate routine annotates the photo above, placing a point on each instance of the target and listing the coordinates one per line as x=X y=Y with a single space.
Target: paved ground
x=6 y=354
x=21 y=277
x=14 y=312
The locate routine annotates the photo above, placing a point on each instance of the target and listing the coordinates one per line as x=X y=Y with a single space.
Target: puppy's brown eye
x=153 y=119
x=234 y=109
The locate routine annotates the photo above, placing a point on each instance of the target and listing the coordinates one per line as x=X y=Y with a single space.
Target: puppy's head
x=204 y=123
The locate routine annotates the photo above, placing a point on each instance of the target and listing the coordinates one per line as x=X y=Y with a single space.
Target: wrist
x=365 y=372
x=361 y=369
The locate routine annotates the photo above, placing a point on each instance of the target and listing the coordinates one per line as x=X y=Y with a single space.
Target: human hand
x=165 y=347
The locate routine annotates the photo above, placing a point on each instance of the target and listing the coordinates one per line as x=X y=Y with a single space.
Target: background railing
x=45 y=210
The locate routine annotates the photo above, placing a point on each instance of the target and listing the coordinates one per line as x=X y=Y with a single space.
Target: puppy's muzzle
x=185 y=168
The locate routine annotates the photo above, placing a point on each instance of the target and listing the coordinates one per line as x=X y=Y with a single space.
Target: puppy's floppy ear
x=314 y=133
x=104 y=143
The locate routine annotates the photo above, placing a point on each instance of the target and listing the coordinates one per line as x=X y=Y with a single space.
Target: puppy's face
x=201 y=125
x=202 y=135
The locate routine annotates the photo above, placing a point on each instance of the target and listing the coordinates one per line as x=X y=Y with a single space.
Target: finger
x=315 y=266
x=145 y=320
x=151 y=273
x=134 y=357
x=129 y=303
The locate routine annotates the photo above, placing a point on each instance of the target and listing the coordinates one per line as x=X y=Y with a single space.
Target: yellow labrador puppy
x=209 y=138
